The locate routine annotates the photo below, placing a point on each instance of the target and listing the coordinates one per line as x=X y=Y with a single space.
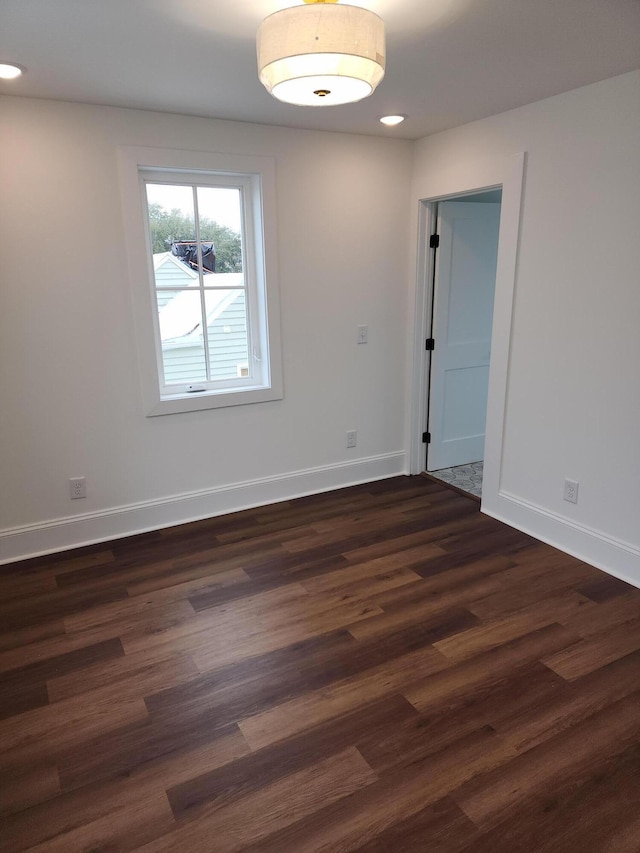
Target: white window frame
x=257 y=177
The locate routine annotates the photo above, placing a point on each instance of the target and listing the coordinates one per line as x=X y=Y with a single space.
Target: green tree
x=170 y=225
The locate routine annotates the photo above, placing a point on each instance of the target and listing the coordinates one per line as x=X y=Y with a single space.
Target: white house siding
x=228 y=340
x=228 y=349
x=168 y=273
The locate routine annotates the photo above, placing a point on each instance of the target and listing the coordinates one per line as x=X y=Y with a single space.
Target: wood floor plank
x=443 y=823
x=598 y=650
x=453 y=683
x=379 y=668
x=222 y=626
x=431 y=534
x=595 y=812
x=256 y=685
x=363 y=581
x=250 y=772
x=138 y=743
x=124 y=829
x=443 y=723
x=529 y=583
x=328 y=613
x=438 y=625
x=140 y=611
x=603 y=588
x=25 y=688
x=20 y=637
x=488 y=799
x=15 y=698
x=150 y=571
x=84 y=561
x=293 y=716
x=478 y=579
x=72 y=809
x=42 y=650
x=67 y=662
x=367 y=814
x=14 y=587
x=275 y=806
x=619 y=611
x=337 y=530
x=447 y=577
x=495 y=632
x=29 y=788
x=46 y=730
x=267 y=575
x=580 y=700
x=130 y=676
x=45 y=606
x=137 y=758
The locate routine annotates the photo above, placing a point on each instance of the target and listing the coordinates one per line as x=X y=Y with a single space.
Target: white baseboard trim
x=614 y=556
x=61 y=534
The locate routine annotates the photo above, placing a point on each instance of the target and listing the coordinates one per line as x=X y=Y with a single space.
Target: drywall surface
x=573 y=387
x=70 y=396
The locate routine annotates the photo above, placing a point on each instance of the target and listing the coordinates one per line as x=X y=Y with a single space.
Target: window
x=200 y=236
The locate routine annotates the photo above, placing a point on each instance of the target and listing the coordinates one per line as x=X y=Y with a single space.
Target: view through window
x=200 y=282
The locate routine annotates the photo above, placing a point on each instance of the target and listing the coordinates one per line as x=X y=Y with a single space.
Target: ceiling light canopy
x=321 y=54
x=9 y=71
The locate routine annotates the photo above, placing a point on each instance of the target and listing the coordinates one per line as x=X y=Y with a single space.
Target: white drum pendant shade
x=321 y=54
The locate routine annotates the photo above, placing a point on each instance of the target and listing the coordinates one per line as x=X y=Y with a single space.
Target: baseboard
x=614 y=556
x=61 y=534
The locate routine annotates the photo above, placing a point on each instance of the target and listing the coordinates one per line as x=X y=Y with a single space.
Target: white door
x=465 y=278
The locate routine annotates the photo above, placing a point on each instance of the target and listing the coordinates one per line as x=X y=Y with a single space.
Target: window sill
x=178 y=403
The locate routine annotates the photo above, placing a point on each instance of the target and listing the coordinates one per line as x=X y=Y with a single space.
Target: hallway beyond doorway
x=467 y=478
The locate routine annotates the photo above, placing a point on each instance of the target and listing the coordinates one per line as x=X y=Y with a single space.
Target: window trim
x=133 y=162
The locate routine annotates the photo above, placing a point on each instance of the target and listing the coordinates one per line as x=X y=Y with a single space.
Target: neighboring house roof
x=180 y=318
x=162 y=258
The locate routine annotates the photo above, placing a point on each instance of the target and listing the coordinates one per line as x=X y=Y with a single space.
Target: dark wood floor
x=380 y=668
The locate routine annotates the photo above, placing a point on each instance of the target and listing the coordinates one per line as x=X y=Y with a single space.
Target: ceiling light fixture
x=9 y=70
x=321 y=54
x=391 y=121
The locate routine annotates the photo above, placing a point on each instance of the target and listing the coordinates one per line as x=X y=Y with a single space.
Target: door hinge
x=434 y=241
x=426 y=437
x=430 y=344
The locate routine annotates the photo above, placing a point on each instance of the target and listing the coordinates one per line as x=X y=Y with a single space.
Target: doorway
x=479 y=175
x=463 y=269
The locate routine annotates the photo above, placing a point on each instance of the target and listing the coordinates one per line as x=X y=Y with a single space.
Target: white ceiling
x=448 y=61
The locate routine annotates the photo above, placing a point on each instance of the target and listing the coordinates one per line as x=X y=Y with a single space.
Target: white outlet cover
x=571 y=491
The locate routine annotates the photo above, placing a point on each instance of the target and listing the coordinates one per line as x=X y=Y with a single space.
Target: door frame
x=507 y=174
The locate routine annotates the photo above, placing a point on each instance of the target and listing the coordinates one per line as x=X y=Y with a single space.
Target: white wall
x=69 y=391
x=69 y=396
x=573 y=390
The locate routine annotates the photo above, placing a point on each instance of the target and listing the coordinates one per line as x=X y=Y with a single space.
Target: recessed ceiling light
x=8 y=71
x=390 y=121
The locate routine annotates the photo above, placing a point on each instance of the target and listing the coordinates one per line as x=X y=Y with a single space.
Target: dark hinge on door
x=434 y=241
x=430 y=344
x=426 y=437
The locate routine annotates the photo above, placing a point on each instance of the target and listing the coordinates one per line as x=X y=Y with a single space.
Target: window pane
x=219 y=209
x=228 y=340
x=181 y=338
x=173 y=235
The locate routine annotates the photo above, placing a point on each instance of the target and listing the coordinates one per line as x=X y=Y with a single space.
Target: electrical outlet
x=363 y=334
x=77 y=488
x=352 y=436
x=571 y=491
